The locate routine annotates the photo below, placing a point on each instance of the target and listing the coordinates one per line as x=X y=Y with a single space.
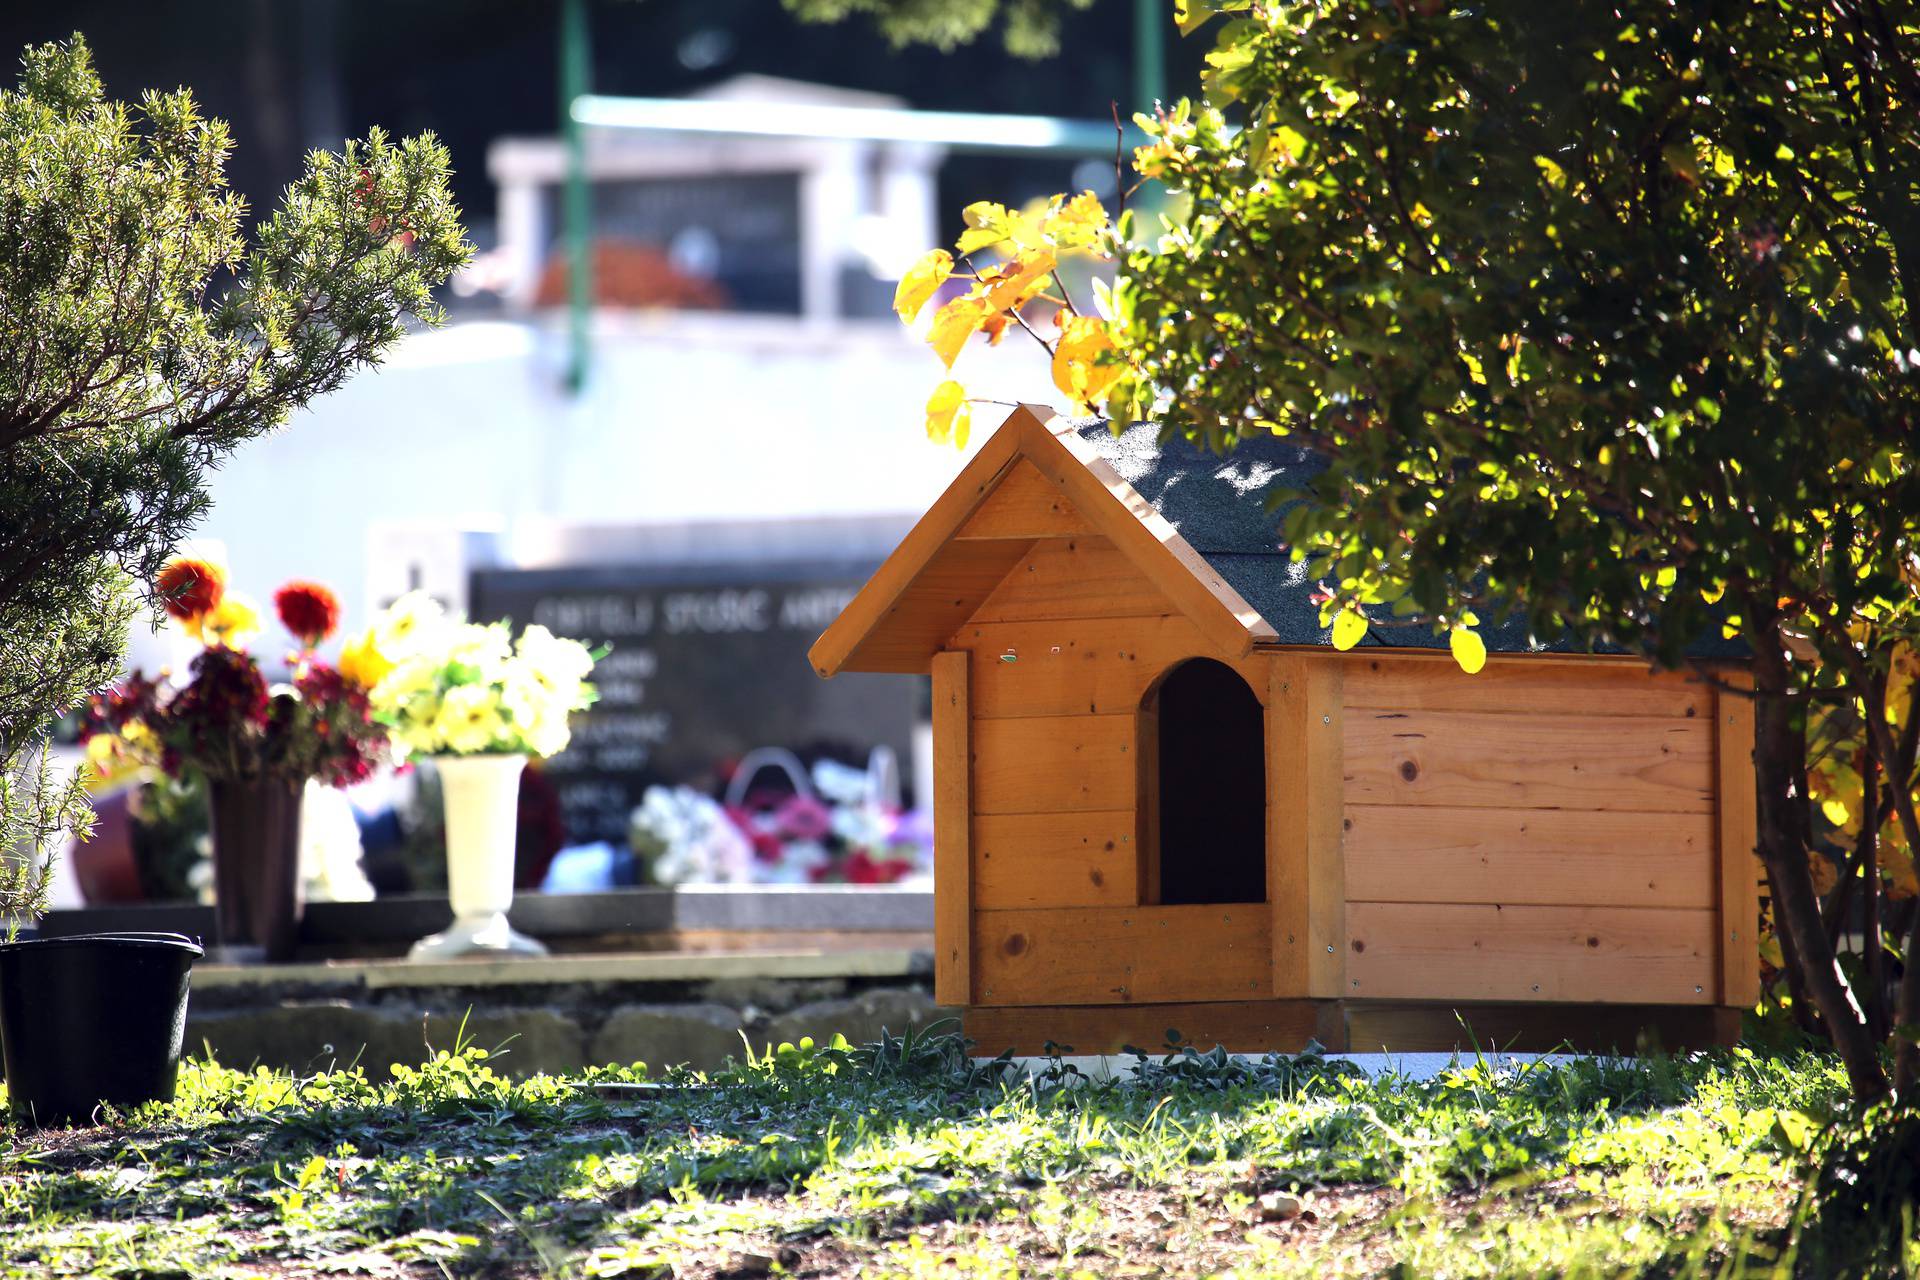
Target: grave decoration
x=831 y=824
x=476 y=701
x=706 y=663
x=1164 y=801
x=256 y=745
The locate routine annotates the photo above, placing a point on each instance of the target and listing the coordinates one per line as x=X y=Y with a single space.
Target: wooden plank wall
x=952 y=813
x=1543 y=830
x=1060 y=657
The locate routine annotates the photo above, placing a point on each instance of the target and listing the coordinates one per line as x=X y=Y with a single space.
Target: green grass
x=900 y=1159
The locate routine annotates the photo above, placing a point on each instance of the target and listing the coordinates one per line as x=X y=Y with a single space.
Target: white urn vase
x=482 y=799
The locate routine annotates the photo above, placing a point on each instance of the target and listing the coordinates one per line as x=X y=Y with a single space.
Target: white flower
x=412 y=676
x=545 y=735
x=483 y=649
x=413 y=624
x=554 y=661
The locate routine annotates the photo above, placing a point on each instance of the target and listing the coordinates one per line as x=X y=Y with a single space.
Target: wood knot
x=1015 y=944
x=1359 y=945
x=1593 y=942
x=1409 y=770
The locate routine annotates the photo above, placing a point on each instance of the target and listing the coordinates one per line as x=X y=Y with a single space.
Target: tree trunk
x=1899 y=761
x=1779 y=748
x=1906 y=1011
x=1875 y=967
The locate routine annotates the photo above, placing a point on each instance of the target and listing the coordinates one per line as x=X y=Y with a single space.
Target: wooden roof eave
x=1114 y=508
x=882 y=593
x=1141 y=533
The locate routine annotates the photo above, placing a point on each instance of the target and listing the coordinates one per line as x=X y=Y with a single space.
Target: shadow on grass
x=451 y=1163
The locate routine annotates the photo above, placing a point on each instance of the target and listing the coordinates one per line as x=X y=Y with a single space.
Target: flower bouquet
x=831 y=824
x=255 y=745
x=477 y=702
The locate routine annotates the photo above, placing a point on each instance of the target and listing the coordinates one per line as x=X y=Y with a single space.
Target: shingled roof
x=1219 y=505
x=1196 y=524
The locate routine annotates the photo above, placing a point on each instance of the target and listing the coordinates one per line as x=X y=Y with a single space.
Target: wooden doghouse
x=1162 y=800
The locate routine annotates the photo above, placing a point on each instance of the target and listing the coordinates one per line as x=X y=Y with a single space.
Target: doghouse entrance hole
x=1205 y=816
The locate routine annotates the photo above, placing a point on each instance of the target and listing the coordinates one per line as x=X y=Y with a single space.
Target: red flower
x=863 y=868
x=190 y=587
x=309 y=611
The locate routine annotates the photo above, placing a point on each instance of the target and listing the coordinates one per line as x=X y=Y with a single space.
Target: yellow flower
x=109 y=758
x=469 y=720
x=233 y=622
x=362 y=662
x=420 y=734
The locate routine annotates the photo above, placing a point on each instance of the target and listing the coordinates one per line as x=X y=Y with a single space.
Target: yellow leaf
x=1013 y=285
x=1077 y=223
x=1836 y=811
x=921 y=282
x=1150 y=161
x=949 y=416
x=1078 y=367
x=1190 y=15
x=1469 y=650
x=1348 y=629
x=954 y=323
x=987 y=223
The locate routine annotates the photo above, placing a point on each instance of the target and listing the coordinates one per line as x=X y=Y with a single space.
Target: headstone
x=705 y=665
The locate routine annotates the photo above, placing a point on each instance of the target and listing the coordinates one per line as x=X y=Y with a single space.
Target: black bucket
x=92 y=1018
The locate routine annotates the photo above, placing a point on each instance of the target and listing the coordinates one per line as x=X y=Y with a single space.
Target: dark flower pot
x=90 y=1019
x=256 y=868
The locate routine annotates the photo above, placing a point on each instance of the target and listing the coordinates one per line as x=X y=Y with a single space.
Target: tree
x=1602 y=317
x=1030 y=28
x=142 y=340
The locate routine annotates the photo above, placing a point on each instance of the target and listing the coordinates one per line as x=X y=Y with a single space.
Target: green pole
x=1149 y=53
x=576 y=61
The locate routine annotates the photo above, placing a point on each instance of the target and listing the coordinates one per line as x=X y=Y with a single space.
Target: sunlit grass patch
x=905 y=1158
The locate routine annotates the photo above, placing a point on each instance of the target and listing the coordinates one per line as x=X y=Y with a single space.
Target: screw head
x=1696 y=989
x=1326 y=719
x=1329 y=950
